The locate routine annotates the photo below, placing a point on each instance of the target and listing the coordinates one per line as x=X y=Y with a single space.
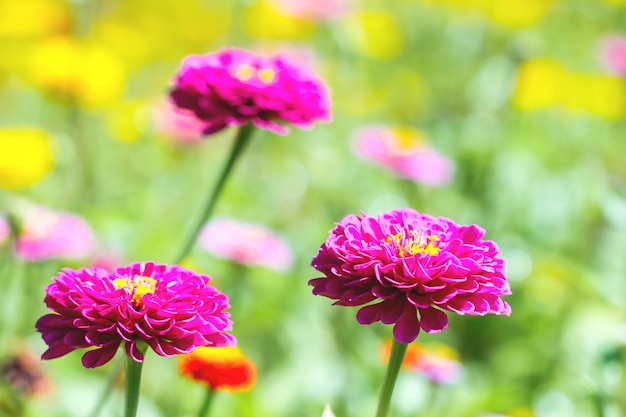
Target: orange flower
x=437 y=362
x=223 y=368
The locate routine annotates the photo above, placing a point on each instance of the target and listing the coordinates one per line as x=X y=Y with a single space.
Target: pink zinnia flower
x=45 y=234
x=232 y=87
x=614 y=54
x=409 y=268
x=5 y=230
x=405 y=153
x=246 y=243
x=178 y=124
x=323 y=10
x=170 y=308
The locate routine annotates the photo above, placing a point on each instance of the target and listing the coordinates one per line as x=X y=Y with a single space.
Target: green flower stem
x=393 y=367
x=206 y=404
x=108 y=388
x=133 y=382
x=243 y=136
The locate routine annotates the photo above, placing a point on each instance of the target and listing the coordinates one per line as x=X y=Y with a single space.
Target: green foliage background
x=549 y=186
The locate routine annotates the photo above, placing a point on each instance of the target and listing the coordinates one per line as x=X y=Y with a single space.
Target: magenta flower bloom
x=613 y=53
x=233 y=87
x=315 y=10
x=178 y=124
x=246 y=243
x=170 y=308
x=5 y=230
x=46 y=234
x=405 y=153
x=408 y=269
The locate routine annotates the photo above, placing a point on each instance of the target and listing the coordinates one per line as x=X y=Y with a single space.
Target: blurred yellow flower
x=601 y=95
x=515 y=13
x=127 y=121
x=26 y=18
x=511 y=13
x=25 y=157
x=86 y=73
x=538 y=84
x=262 y=20
x=545 y=83
x=618 y=3
x=374 y=34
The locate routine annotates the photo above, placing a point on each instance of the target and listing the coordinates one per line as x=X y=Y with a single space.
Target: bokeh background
x=524 y=100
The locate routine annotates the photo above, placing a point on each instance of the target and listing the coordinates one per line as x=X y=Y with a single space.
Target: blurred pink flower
x=178 y=124
x=170 y=308
x=322 y=10
x=107 y=259
x=5 y=230
x=45 y=234
x=246 y=243
x=403 y=152
x=613 y=52
x=414 y=267
x=439 y=368
x=233 y=87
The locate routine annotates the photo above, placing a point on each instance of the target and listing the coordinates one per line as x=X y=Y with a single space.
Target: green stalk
x=242 y=138
x=393 y=367
x=206 y=404
x=132 y=383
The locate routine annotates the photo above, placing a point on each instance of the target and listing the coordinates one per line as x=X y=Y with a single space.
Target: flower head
x=25 y=157
x=45 y=234
x=85 y=73
x=169 y=308
x=5 y=230
x=232 y=87
x=246 y=243
x=23 y=372
x=178 y=124
x=224 y=368
x=404 y=152
x=408 y=268
x=613 y=52
x=316 y=10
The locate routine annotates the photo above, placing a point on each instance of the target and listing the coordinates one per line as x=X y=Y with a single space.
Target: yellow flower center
x=266 y=75
x=137 y=286
x=245 y=72
x=413 y=243
x=406 y=138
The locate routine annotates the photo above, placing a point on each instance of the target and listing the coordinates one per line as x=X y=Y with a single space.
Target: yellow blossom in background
x=521 y=412
x=133 y=45
x=601 y=95
x=25 y=157
x=538 y=84
x=262 y=20
x=543 y=83
x=510 y=13
x=28 y=18
x=142 y=31
x=86 y=73
x=127 y=121
x=374 y=34
x=617 y=3
x=515 y=13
